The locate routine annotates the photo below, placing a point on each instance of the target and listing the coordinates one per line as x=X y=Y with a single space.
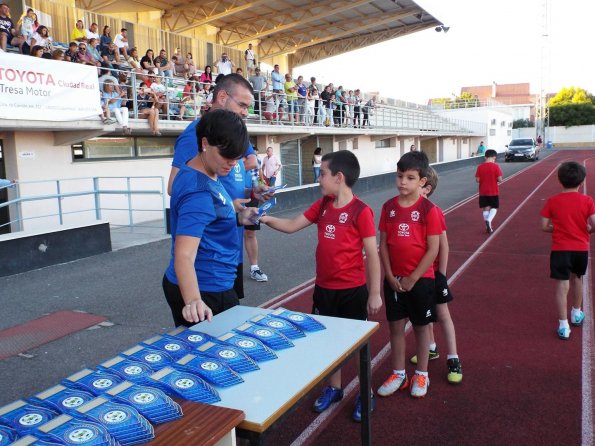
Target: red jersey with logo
x=436 y=265
x=339 y=257
x=488 y=174
x=406 y=231
x=569 y=212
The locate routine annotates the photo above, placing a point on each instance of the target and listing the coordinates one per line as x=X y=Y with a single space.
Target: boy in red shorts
x=570 y=217
x=410 y=229
x=489 y=175
x=345 y=226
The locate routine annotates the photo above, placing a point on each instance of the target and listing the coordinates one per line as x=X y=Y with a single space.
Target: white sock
x=452 y=357
x=491 y=214
x=564 y=323
x=254 y=267
x=486 y=214
x=399 y=372
x=433 y=346
x=417 y=372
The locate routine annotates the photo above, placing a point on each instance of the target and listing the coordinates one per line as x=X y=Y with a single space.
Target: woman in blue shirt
x=205 y=245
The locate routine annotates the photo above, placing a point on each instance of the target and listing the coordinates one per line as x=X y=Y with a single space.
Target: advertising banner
x=39 y=89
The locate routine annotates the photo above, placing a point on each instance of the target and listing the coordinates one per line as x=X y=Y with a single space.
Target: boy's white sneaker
x=577 y=318
x=564 y=333
x=419 y=386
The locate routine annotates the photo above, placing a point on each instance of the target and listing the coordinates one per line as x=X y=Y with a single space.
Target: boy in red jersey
x=489 y=175
x=410 y=229
x=345 y=226
x=443 y=295
x=570 y=217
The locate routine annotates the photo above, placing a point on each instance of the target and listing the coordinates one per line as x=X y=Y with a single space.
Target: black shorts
x=442 y=292
x=492 y=201
x=419 y=304
x=349 y=303
x=238 y=284
x=218 y=302
x=252 y=204
x=562 y=263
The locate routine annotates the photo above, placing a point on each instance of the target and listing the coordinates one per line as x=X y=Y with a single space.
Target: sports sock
x=399 y=372
x=563 y=323
x=486 y=215
x=452 y=357
x=254 y=267
x=491 y=214
x=417 y=372
x=433 y=346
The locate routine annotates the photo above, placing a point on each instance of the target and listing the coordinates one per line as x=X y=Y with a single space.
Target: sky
x=487 y=42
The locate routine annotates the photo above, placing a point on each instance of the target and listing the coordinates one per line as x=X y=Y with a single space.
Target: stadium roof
x=306 y=30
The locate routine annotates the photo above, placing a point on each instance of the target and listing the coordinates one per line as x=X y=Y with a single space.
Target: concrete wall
x=576 y=136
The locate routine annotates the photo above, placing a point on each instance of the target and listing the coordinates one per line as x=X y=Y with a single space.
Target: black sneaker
x=455 y=371
x=489 y=229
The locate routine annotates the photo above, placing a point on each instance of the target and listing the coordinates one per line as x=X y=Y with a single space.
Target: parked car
x=522 y=149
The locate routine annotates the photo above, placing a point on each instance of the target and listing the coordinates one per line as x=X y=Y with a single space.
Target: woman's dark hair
x=209 y=67
x=317 y=150
x=226 y=131
x=219 y=78
x=35 y=49
x=147 y=52
x=106 y=27
x=41 y=28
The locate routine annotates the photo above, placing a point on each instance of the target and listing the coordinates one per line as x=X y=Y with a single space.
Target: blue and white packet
x=263 y=209
x=176 y=348
x=135 y=371
x=154 y=358
x=185 y=385
x=95 y=381
x=234 y=357
x=67 y=430
x=210 y=369
x=7 y=435
x=191 y=337
x=25 y=418
x=303 y=321
x=62 y=399
x=30 y=440
x=281 y=325
x=150 y=402
x=123 y=422
x=251 y=346
x=268 y=336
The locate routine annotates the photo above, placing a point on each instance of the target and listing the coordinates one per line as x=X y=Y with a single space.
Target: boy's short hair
x=345 y=162
x=417 y=161
x=491 y=153
x=226 y=131
x=431 y=180
x=571 y=174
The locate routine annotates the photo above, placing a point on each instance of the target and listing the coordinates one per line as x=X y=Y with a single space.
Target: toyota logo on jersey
x=329 y=232
x=403 y=230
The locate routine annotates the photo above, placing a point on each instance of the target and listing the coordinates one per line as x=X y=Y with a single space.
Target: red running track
x=521 y=385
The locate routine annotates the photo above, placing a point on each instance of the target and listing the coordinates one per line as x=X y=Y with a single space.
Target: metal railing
x=98 y=197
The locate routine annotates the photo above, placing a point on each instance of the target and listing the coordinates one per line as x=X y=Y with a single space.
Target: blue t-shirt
x=201 y=207
x=235 y=185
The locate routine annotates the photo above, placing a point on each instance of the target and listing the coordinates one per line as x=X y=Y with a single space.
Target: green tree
x=572 y=114
x=522 y=123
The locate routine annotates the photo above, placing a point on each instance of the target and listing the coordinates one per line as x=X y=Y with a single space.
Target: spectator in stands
x=164 y=65
x=191 y=66
x=339 y=110
x=270 y=110
x=326 y=112
x=123 y=87
x=111 y=58
x=146 y=100
x=58 y=55
x=134 y=61
x=180 y=66
x=121 y=42
x=349 y=105
x=91 y=33
x=250 y=59
x=357 y=101
x=37 y=51
x=106 y=76
x=316 y=101
x=413 y=148
x=240 y=72
x=8 y=33
x=160 y=91
x=27 y=25
x=225 y=65
x=312 y=98
x=206 y=76
x=40 y=37
x=84 y=57
x=105 y=39
x=93 y=51
x=148 y=62
x=301 y=99
x=78 y=33
x=290 y=89
x=206 y=94
x=368 y=109
x=111 y=102
x=72 y=54
x=260 y=85
x=277 y=79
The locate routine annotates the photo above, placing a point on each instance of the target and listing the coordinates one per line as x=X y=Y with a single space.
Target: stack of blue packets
x=62 y=399
x=155 y=359
x=303 y=321
x=191 y=337
x=234 y=357
x=66 y=430
x=281 y=325
x=184 y=385
x=151 y=403
x=30 y=440
x=122 y=422
x=175 y=347
x=251 y=346
x=25 y=418
x=7 y=435
x=266 y=335
x=135 y=371
x=210 y=369
x=95 y=381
